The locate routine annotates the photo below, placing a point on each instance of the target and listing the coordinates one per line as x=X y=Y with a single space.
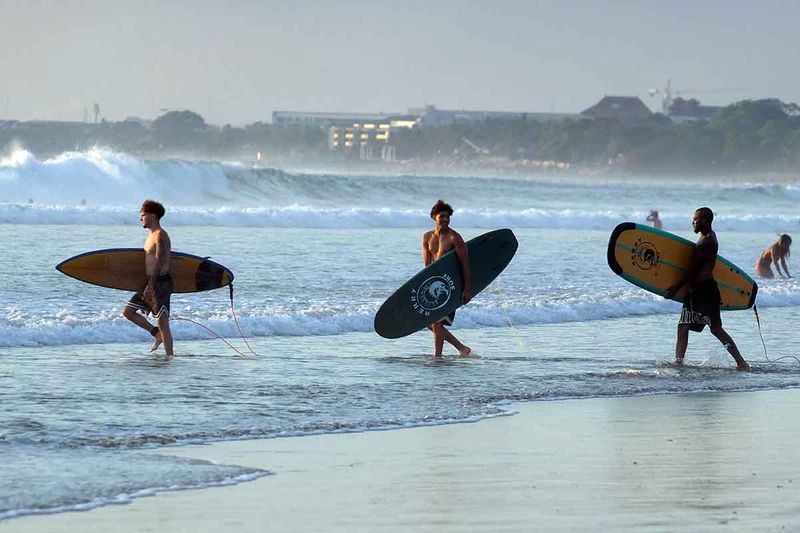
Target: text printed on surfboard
x=432 y=294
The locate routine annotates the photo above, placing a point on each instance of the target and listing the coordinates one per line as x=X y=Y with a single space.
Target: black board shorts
x=159 y=303
x=701 y=306
x=447 y=320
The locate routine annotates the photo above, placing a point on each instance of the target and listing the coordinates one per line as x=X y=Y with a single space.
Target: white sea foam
x=29 y=329
x=305 y=216
x=125 y=498
x=103 y=187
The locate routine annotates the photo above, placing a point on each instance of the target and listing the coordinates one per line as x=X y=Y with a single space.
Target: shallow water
x=314 y=257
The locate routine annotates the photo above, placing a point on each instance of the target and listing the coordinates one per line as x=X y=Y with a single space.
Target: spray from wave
x=104 y=187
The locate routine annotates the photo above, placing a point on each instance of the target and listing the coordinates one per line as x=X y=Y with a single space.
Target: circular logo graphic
x=645 y=255
x=434 y=292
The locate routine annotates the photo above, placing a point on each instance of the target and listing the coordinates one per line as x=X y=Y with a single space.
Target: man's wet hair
x=151 y=206
x=706 y=213
x=439 y=207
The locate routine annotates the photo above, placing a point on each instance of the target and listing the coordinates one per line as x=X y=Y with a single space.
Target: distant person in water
x=653 y=217
x=435 y=244
x=154 y=297
x=777 y=253
x=702 y=301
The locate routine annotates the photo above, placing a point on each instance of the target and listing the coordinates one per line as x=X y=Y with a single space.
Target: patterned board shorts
x=159 y=302
x=448 y=319
x=701 y=306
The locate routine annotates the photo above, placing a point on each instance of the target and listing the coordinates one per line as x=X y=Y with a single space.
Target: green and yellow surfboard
x=655 y=260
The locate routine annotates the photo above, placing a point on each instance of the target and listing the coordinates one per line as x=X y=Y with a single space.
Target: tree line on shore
x=747 y=135
x=751 y=135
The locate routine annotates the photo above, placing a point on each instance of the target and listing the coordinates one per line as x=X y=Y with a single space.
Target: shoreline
x=674 y=461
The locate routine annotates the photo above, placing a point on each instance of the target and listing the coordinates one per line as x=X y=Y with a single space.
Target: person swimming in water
x=776 y=253
x=653 y=217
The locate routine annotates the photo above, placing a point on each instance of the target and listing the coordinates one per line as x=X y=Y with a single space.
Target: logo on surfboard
x=432 y=294
x=645 y=256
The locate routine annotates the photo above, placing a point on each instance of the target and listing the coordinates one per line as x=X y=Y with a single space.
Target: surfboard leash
x=504 y=305
x=236 y=320
x=217 y=335
x=758 y=322
x=220 y=337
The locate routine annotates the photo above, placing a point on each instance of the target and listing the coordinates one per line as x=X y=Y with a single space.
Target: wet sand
x=673 y=462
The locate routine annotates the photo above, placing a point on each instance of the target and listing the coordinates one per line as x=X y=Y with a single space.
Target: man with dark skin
x=702 y=301
x=154 y=298
x=435 y=244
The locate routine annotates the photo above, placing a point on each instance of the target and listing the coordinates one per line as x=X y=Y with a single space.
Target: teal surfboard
x=436 y=290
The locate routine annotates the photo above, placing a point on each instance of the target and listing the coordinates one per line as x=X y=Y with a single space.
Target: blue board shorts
x=159 y=302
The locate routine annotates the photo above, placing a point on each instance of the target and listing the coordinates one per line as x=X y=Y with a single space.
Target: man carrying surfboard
x=435 y=244
x=154 y=298
x=702 y=302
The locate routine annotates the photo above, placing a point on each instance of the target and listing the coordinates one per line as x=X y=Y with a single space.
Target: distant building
x=431 y=117
x=681 y=111
x=625 y=109
x=325 y=120
x=371 y=140
x=427 y=117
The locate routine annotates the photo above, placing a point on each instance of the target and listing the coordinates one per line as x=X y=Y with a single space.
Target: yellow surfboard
x=123 y=268
x=655 y=260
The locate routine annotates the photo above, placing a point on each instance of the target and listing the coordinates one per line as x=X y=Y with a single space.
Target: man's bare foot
x=744 y=367
x=466 y=351
x=156 y=342
x=679 y=361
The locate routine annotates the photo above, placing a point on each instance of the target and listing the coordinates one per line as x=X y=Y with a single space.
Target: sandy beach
x=663 y=462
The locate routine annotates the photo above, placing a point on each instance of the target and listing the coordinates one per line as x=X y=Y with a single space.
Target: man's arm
x=427 y=258
x=162 y=256
x=466 y=273
x=702 y=254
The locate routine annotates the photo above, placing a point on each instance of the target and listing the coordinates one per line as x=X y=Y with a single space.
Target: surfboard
x=124 y=269
x=655 y=260
x=436 y=290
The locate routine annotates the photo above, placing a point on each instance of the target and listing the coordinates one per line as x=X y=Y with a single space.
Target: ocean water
x=314 y=257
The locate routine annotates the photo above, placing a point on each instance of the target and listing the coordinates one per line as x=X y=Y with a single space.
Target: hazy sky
x=235 y=62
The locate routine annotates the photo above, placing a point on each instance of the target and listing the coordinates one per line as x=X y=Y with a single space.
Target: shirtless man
x=435 y=244
x=701 y=304
x=777 y=252
x=154 y=298
x=653 y=217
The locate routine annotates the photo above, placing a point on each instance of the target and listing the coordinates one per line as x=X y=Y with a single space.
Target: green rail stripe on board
x=678 y=238
x=671 y=265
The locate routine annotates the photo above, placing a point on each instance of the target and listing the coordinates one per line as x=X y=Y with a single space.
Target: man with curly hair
x=435 y=244
x=154 y=298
